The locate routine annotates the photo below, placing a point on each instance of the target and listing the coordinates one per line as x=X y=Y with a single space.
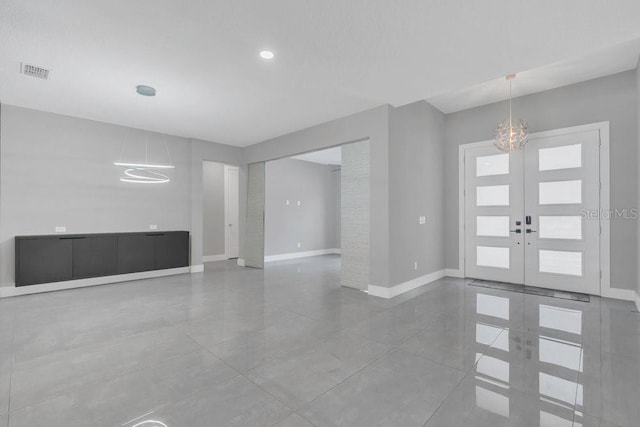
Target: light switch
x=415 y=265
x=422 y=220
x=286 y=203
x=299 y=203
x=153 y=227
x=299 y=245
x=61 y=229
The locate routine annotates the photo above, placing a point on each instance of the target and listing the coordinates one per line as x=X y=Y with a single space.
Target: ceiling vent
x=35 y=71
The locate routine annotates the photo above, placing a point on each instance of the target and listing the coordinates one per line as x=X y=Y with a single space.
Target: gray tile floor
x=288 y=346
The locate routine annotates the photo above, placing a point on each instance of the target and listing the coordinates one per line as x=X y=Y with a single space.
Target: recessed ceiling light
x=266 y=54
x=146 y=90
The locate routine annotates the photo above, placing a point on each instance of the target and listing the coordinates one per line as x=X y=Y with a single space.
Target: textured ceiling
x=333 y=57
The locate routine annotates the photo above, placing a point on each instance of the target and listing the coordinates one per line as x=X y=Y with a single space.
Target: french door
x=532 y=216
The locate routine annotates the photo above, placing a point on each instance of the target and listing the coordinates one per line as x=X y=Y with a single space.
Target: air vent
x=35 y=71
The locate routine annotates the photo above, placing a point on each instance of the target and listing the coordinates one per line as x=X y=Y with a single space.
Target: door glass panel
x=562 y=319
x=560 y=227
x=496 y=226
x=557 y=388
x=492 y=195
x=560 y=192
x=502 y=342
x=492 y=165
x=561 y=262
x=494 y=306
x=547 y=419
x=564 y=157
x=486 y=334
x=492 y=401
x=494 y=368
x=489 y=256
x=560 y=353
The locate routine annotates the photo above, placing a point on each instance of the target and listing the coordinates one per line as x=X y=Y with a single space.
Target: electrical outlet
x=153 y=227
x=415 y=265
x=422 y=220
x=299 y=245
x=61 y=229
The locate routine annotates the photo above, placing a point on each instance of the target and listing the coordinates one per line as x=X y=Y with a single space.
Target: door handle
x=531 y=231
x=517 y=231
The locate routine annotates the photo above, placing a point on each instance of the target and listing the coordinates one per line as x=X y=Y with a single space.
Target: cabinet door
x=172 y=250
x=135 y=253
x=43 y=260
x=95 y=256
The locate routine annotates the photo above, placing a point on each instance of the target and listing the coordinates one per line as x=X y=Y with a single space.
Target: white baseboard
x=453 y=272
x=10 y=291
x=197 y=268
x=241 y=262
x=382 y=292
x=637 y=301
x=623 y=294
x=211 y=258
x=305 y=254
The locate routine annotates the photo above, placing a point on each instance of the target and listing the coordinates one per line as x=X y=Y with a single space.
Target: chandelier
x=144 y=172
x=511 y=136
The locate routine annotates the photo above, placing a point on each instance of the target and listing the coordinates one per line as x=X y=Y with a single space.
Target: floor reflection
x=550 y=354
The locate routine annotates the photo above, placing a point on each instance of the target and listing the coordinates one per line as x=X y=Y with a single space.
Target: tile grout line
x=102 y=380
x=462 y=379
x=240 y=374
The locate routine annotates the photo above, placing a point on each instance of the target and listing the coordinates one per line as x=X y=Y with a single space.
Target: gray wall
x=213 y=220
x=416 y=188
x=57 y=171
x=612 y=99
x=313 y=223
x=371 y=124
x=336 y=192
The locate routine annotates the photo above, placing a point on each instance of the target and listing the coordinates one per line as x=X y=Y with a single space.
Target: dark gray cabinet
x=45 y=259
x=95 y=256
x=172 y=250
x=136 y=253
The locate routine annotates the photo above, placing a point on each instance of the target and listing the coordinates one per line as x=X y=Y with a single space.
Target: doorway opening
x=287 y=218
x=533 y=217
x=220 y=211
x=302 y=206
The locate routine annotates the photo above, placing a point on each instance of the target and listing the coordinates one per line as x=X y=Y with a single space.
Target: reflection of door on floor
x=527 y=214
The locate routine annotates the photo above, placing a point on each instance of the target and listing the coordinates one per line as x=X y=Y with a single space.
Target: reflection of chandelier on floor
x=144 y=172
x=510 y=137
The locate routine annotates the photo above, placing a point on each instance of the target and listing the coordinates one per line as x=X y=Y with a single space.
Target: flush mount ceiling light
x=510 y=137
x=144 y=172
x=266 y=54
x=146 y=90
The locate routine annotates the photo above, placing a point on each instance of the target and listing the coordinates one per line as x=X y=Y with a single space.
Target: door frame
x=605 y=226
x=227 y=206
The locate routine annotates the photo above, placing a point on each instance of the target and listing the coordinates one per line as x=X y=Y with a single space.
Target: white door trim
x=605 y=205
